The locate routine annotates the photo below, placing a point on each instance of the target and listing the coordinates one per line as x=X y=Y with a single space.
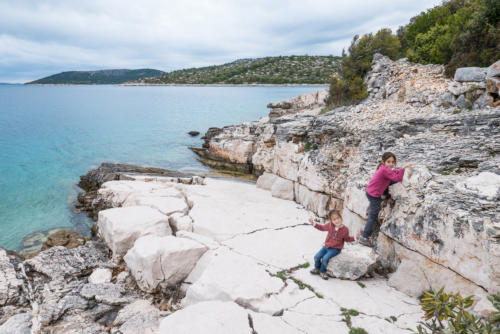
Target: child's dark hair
x=334 y=212
x=386 y=156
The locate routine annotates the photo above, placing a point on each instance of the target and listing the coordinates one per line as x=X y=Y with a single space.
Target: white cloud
x=65 y=35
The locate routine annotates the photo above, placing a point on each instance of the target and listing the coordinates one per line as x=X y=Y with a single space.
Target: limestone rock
x=17 y=324
x=204 y=240
x=353 y=262
x=139 y=317
x=211 y=317
x=247 y=282
x=484 y=185
x=120 y=227
x=100 y=275
x=312 y=200
x=11 y=283
x=107 y=293
x=181 y=222
x=166 y=205
x=266 y=181
x=67 y=238
x=283 y=188
x=61 y=263
x=494 y=70
x=463 y=103
x=470 y=74
x=163 y=261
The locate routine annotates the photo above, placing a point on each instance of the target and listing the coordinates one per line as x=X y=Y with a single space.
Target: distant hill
x=268 y=70
x=101 y=77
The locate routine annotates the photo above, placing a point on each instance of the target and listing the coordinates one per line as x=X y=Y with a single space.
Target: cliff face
x=443 y=221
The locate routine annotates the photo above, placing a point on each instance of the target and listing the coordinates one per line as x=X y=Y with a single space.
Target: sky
x=44 y=37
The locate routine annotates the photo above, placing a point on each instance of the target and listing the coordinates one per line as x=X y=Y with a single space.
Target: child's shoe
x=315 y=271
x=365 y=242
x=323 y=276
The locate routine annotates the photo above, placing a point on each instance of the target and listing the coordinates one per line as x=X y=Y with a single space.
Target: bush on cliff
x=447 y=313
x=349 y=87
x=457 y=33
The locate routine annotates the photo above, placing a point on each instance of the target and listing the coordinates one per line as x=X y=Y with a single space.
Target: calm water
x=51 y=135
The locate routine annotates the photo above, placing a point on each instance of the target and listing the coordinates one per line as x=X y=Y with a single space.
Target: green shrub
x=447 y=314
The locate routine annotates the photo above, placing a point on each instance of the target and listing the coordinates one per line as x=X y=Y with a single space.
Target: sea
x=50 y=135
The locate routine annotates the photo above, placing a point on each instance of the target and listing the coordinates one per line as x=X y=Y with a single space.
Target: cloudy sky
x=43 y=37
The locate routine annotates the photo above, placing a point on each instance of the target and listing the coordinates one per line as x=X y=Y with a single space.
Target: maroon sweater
x=335 y=237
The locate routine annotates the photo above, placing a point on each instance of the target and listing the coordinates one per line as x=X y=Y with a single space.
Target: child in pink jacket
x=383 y=177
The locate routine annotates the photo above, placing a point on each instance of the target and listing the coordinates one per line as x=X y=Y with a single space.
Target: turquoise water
x=50 y=135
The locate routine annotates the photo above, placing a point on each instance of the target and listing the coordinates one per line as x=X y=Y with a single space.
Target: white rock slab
x=181 y=222
x=352 y=221
x=374 y=325
x=211 y=317
x=223 y=209
x=204 y=240
x=166 y=205
x=120 y=227
x=316 y=316
x=265 y=324
x=289 y=297
x=306 y=241
x=100 y=275
x=227 y=276
x=353 y=262
x=162 y=261
x=376 y=299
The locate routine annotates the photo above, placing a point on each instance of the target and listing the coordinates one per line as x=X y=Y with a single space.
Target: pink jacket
x=381 y=179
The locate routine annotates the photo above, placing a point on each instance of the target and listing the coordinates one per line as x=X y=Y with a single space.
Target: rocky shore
x=441 y=227
x=180 y=253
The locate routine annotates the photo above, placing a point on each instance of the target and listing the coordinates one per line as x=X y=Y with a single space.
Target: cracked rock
x=163 y=261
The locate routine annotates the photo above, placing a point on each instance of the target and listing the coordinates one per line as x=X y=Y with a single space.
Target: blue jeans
x=323 y=256
x=373 y=211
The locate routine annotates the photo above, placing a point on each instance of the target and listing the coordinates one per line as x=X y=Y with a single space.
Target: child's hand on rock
x=358 y=234
x=408 y=165
x=311 y=220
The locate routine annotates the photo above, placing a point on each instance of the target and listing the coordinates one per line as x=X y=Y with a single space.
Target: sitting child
x=337 y=235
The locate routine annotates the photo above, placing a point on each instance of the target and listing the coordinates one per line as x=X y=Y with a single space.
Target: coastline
x=182 y=85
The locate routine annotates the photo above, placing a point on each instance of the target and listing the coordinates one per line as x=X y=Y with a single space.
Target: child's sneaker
x=315 y=271
x=323 y=276
x=365 y=242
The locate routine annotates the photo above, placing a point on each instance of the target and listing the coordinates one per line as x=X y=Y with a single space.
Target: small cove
x=50 y=135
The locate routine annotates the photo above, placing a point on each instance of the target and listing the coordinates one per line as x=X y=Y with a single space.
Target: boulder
x=266 y=181
x=352 y=263
x=282 y=188
x=120 y=227
x=493 y=70
x=493 y=85
x=59 y=263
x=355 y=199
x=67 y=238
x=470 y=74
x=463 y=103
x=100 y=275
x=163 y=261
x=107 y=293
x=139 y=317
